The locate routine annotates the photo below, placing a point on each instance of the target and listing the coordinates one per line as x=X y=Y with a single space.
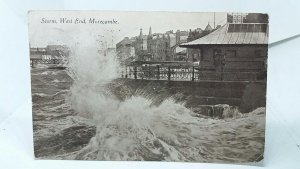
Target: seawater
x=76 y=117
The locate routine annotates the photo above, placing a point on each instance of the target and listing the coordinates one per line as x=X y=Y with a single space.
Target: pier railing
x=34 y=61
x=186 y=72
x=160 y=73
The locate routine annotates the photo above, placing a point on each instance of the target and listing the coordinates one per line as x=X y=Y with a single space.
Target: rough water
x=76 y=117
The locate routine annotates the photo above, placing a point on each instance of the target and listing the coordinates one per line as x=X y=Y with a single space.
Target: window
x=237 y=28
x=231 y=27
x=263 y=28
x=251 y=28
x=230 y=53
x=244 y=27
x=217 y=57
x=201 y=54
x=195 y=57
x=217 y=52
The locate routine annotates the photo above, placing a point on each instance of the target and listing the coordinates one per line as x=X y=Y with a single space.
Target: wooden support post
x=222 y=72
x=193 y=74
x=158 y=73
x=169 y=73
x=148 y=72
x=199 y=73
x=135 y=72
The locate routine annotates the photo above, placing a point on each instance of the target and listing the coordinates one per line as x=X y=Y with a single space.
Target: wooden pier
x=43 y=56
x=35 y=61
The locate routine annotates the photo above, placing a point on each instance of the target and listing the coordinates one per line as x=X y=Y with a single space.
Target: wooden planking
x=244 y=65
x=241 y=38
x=247 y=38
x=234 y=37
x=246 y=59
x=254 y=38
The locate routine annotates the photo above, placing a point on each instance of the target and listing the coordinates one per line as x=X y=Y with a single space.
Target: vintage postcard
x=149 y=86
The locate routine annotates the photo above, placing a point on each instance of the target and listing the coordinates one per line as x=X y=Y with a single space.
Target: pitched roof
x=208 y=28
x=180 y=49
x=125 y=41
x=246 y=33
x=199 y=30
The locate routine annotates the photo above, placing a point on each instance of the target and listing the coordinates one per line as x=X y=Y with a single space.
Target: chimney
x=141 y=33
x=150 y=31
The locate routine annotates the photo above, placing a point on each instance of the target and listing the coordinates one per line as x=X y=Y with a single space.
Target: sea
x=75 y=117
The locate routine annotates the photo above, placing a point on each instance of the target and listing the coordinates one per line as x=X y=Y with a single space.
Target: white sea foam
x=135 y=129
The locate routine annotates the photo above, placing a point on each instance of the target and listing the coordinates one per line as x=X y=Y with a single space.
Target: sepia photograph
x=149 y=86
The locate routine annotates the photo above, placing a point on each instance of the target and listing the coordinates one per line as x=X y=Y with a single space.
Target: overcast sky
x=129 y=24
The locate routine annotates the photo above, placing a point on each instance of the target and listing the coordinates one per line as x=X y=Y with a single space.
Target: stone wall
x=246 y=96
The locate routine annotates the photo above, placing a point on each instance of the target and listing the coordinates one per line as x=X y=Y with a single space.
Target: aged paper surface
x=149 y=86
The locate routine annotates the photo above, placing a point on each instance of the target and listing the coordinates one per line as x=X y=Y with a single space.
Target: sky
x=128 y=25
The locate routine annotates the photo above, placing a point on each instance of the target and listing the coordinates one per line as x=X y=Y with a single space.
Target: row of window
x=247 y=28
x=198 y=56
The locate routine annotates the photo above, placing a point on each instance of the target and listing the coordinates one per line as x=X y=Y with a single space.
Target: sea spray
x=132 y=129
x=91 y=71
x=136 y=129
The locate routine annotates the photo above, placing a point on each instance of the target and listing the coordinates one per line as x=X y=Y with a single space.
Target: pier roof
x=234 y=34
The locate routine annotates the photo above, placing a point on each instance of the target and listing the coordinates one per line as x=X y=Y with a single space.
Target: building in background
x=247 y=18
x=161 y=46
x=181 y=36
x=125 y=50
x=58 y=50
x=180 y=54
x=141 y=47
x=158 y=47
x=194 y=55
